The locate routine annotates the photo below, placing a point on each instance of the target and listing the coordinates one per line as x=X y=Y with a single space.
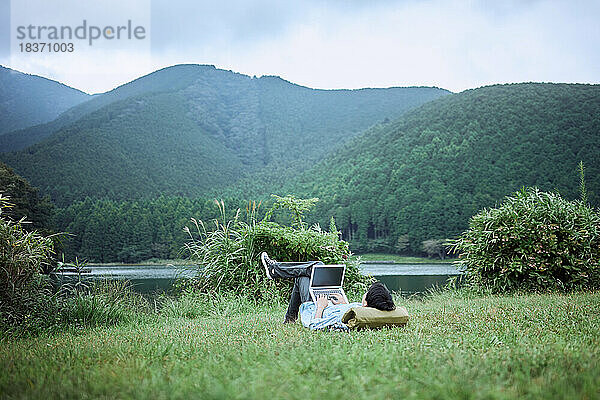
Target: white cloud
x=340 y=44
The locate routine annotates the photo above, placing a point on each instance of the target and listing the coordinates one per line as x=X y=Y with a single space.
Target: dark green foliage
x=25 y=299
x=426 y=174
x=533 y=240
x=25 y=201
x=29 y=100
x=193 y=130
x=132 y=231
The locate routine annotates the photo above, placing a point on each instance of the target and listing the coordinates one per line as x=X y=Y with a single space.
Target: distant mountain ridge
x=27 y=100
x=14 y=141
x=192 y=129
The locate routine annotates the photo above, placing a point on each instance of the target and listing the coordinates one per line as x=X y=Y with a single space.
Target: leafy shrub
x=228 y=254
x=289 y=244
x=26 y=302
x=533 y=240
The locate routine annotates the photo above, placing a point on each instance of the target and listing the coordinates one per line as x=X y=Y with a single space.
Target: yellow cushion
x=368 y=317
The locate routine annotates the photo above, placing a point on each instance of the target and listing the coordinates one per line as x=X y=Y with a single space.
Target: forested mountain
x=394 y=166
x=27 y=100
x=160 y=81
x=422 y=176
x=190 y=130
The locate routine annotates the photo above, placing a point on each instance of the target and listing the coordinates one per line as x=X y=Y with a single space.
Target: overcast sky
x=456 y=45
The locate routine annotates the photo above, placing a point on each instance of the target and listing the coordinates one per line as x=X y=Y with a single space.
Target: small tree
x=435 y=247
x=295 y=205
x=402 y=243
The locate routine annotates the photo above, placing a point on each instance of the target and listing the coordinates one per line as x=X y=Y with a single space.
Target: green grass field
x=455 y=346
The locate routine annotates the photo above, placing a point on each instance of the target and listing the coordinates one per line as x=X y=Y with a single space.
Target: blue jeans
x=300 y=273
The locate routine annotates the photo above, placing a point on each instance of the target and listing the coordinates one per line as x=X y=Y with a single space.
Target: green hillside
x=27 y=100
x=160 y=81
x=424 y=175
x=190 y=130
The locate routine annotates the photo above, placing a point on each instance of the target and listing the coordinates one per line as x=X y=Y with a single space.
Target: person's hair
x=379 y=297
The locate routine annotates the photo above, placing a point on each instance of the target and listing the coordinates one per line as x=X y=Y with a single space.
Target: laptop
x=327 y=280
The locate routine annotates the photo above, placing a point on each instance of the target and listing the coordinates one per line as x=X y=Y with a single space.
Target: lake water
x=411 y=278
x=406 y=278
x=145 y=279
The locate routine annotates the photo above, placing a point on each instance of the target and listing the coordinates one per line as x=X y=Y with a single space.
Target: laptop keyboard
x=327 y=292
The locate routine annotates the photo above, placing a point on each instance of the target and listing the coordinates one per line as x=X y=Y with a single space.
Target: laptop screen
x=327 y=276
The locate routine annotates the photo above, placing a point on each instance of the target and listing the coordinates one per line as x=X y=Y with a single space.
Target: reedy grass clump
x=100 y=303
x=226 y=255
x=25 y=298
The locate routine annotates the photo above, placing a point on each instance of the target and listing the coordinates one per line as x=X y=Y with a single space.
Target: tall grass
x=100 y=303
x=25 y=299
x=226 y=254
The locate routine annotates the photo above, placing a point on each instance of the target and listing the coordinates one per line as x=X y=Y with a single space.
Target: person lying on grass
x=322 y=314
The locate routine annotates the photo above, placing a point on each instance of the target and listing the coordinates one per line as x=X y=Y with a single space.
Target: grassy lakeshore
x=152 y=261
x=386 y=257
x=456 y=346
x=395 y=258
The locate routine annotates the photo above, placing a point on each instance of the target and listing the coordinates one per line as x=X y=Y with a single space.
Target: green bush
x=26 y=302
x=290 y=244
x=228 y=254
x=532 y=241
